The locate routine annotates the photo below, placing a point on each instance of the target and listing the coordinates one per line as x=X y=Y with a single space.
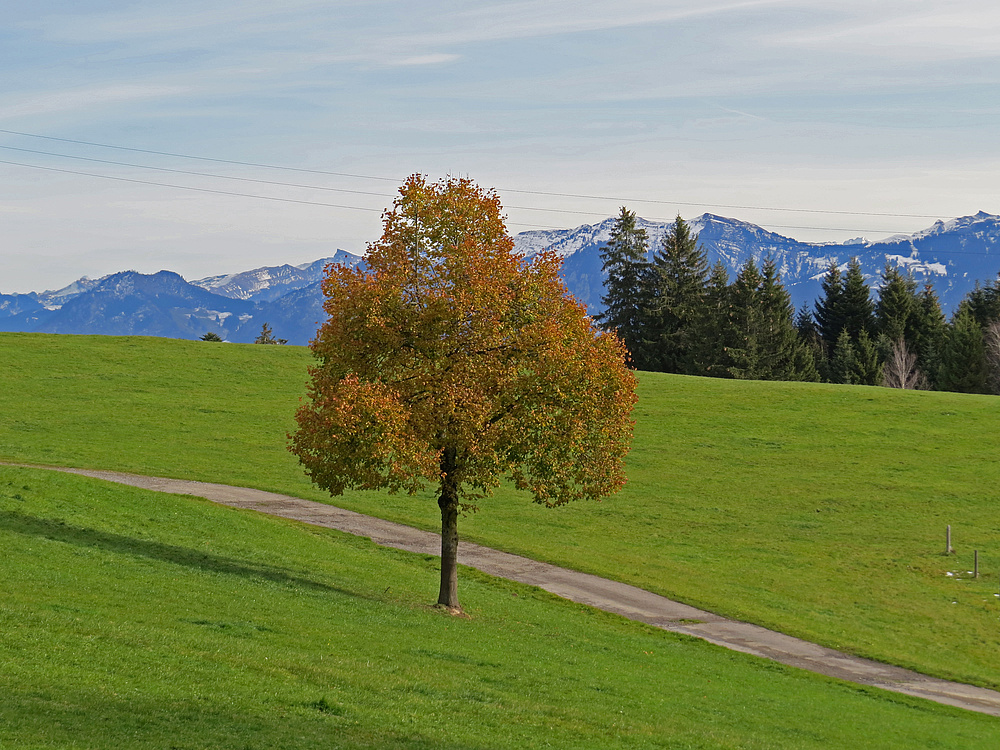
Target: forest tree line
x=675 y=314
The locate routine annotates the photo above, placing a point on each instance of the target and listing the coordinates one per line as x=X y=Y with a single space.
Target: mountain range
x=951 y=255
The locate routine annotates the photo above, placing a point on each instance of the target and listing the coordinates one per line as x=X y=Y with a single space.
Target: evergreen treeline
x=675 y=314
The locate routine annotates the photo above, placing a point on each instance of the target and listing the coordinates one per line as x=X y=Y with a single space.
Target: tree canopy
x=453 y=362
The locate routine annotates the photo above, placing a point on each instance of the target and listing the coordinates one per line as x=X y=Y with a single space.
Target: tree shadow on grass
x=61 y=531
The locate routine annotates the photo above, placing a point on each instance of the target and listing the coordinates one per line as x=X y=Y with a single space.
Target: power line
x=506 y=190
x=201 y=158
x=377 y=210
x=264 y=182
x=220 y=192
x=338 y=205
x=196 y=174
x=188 y=187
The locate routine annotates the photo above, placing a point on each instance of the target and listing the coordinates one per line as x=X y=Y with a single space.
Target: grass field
x=818 y=510
x=132 y=619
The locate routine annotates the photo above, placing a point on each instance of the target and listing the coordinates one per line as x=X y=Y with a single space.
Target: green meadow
x=132 y=619
x=818 y=510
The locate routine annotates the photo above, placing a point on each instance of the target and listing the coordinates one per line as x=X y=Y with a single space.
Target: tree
x=713 y=329
x=764 y=342
x=843 y=360
x=624 y=261
x=211 y=336
x=897 y=302
x=963 y=356
x=451 y=361
x=830 y=308
x=984 y=303
x=867 y=363
x=900 y=369
x=677 y=280
x=267 y=337
x=929 y=332
x=857 y=309
x=991 y=340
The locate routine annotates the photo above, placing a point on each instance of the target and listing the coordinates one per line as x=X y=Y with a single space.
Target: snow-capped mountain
x=270 y=282
x=951 y=255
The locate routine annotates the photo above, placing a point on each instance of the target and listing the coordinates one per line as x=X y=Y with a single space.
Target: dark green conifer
x=929 y=328
x=624 y=261
x=858 y=309
x=843 y=360
x=867 y=363
x=896 y=308
x=984 y=303
x=830 y=308
x=715 y=327
x=677 y=299
x=963 y=357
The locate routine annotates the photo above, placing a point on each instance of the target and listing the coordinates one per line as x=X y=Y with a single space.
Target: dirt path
x=611 y=596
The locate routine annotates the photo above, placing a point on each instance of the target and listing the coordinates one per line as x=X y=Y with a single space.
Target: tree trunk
x=448 y=502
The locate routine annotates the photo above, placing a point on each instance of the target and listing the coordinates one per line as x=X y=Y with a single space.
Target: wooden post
x=947 y=547
x=975 y=563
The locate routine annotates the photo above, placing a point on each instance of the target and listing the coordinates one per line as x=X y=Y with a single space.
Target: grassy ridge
x=141 y=620
x=816 y=509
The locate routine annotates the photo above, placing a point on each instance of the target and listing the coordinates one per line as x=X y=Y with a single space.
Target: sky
x=822 y=120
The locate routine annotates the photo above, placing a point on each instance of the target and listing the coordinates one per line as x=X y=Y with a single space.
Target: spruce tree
x=624 y=261
x=677 y=298
x=867 y=362
x=929 y=330
x=843 y=360
x=858 y=310
x=896 y=307
x=984 y=303
x=744 y=349
x=805 y=324
x=830 y=308
x=715 y=326
x=764 y=342
x=963 y=366
x=785 y=355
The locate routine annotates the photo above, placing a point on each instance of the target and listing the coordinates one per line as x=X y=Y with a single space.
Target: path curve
x=601 y=593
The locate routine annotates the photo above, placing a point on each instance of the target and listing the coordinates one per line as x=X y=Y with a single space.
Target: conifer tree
x=785 y=354
x=743 y=353
x=830 y=308
x=867 y=363
x=677 y=298
x=624 y=261
x=984 y=303
x=897 y=302
x=963 y=357
x=765 y=343
x=843 y=360
x=714 y=330
x=805 y=324
x=929 y=330
x=858 y=310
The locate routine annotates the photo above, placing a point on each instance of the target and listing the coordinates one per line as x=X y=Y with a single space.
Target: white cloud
x=71 y=99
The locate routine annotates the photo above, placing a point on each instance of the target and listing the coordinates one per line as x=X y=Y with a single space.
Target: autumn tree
x=453 y=362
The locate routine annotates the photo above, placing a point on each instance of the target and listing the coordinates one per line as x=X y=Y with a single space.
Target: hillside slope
x=815 y=509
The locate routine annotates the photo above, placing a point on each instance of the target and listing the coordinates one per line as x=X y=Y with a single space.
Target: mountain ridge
x=952 y=255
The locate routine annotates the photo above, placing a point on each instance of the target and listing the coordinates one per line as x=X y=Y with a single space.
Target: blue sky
x=857 y=107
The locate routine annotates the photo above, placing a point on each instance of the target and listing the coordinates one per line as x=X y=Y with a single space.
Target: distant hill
x=951 y=255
